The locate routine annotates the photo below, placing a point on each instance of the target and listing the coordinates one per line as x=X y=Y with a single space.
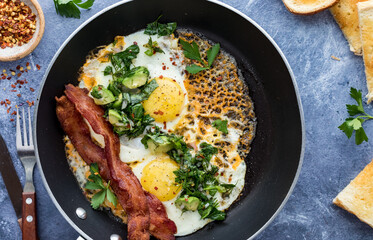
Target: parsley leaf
x=191 y=51
x=153 y=48
x=221 y=125
x=160 y=28
x=69 y=8
x=96 y=183
x=355 y=124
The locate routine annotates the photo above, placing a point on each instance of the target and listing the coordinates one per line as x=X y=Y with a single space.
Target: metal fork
x=26 y=153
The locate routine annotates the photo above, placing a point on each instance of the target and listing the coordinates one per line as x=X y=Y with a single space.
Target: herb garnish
x=162 y=29
x=355 y=124
x=97 y=184
x=69 y=8
x=197 y=176
x=191 y=51
x=221 y=125
x=153 y=48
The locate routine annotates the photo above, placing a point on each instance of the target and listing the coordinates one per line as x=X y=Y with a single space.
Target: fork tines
x=26 y=142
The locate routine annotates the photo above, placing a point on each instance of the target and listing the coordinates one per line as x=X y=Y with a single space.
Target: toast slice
x=365 y=11
x=308 y=7
x=357 y=197
x=346 y=15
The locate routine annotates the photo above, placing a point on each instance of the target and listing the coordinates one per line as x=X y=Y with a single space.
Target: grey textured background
x=331 y=160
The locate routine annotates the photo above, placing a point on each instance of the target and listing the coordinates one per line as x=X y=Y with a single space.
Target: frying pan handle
x=29 y=216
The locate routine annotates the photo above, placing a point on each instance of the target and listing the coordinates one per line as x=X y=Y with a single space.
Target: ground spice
x=17 y=23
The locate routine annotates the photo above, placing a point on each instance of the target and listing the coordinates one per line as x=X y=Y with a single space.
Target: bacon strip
x=161 y=226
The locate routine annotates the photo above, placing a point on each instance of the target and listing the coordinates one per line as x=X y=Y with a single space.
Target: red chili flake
x=12 y=120
x=14 y=113
x=169 y=130
x=161 y=76
x=167 y=67
x=19 y=86
x=13 y=90
x=155 y=188
x=173 y=193
x=13 y=86
x=3 y=77
x=174 y=80
x=9 y=78
x=177 y=115
x=177 y=56
x=179 y=93
x=38 y=66
x=164 y=125
x=144 y=180
x=171 y=59
x=164 y=67
x=219 y=78
x=21 y=82
x=30 y=103
x=174 y=63
x=186 y=199
x=19 y=74
x=32 y=90
x=135 y=43
x=8 y=110
x=222 y=174
x=27 y=64
x=159 y=112
x=19 y=95
x=230 y=178
x=18 y=67
x=7 y=101
x=133 y=115
x=26 y=81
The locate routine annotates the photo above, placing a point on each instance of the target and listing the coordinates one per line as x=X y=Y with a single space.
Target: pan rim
x=295 y=85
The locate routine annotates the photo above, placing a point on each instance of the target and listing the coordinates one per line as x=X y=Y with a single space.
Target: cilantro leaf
x=355 y=124
x=193 y=69
x=69 y=8
x=111 y=197
x=212 y=53
x=191 y=51
x=221 y=125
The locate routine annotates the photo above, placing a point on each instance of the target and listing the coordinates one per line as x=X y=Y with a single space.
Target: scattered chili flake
x=32 y=90
x=164 y=125
x=135 y=43
x=12 y=120
x=3 y=77
x=38 y=66
x=177 y=115
x=14 y=113
x=161 y=76
x=30 y=103
x=219 y=78
x=19 y=95
x=27 y=64
x=8 y=110
x=18 y=67
x=13 y=90
x=155 y=188
x=159 y=112
x=174 y=63
x=13 y=86
x=19 y=74
x=171 y=59
x=9 y=78
x=164 y=67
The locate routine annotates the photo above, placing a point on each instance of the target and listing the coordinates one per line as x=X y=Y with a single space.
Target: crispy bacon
x=74 y=126
x=160 y=225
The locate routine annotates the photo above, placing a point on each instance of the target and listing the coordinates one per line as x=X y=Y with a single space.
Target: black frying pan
x=277 y=150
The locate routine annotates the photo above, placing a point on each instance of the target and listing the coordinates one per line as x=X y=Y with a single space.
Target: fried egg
x=186 y=105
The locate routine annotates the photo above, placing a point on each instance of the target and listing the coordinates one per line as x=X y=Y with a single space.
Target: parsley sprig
x=191 y=51
x=221 y=125
x=69 y=8
x=96 y=183
x=352 y=124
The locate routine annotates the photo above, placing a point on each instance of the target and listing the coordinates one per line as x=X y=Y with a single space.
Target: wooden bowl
x=18 y=52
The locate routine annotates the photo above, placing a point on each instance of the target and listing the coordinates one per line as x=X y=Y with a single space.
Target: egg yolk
x=166 y=101
x=158 y=178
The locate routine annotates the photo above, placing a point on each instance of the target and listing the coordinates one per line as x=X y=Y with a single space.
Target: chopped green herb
x=191 y=51
x=355 y=124
x=69 y=8
x=222 y=126
x=160 y=28
x=153 y=48
x=108 y=71
x=96 y=183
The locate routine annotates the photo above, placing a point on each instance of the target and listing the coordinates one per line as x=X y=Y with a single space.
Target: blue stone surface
x=331 y=161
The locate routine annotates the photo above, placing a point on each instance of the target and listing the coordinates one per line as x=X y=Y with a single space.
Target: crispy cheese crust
x=357 y=197
x=365 y=10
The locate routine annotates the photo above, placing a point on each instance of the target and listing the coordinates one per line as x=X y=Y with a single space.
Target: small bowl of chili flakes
x=21 y=28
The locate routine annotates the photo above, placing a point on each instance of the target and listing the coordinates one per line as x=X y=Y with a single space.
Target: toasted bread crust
x=346 y=15
x=357 y=197
x=307 y=7
x=365 y=11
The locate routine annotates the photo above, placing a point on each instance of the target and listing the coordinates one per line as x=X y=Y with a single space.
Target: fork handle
x=29 y=216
